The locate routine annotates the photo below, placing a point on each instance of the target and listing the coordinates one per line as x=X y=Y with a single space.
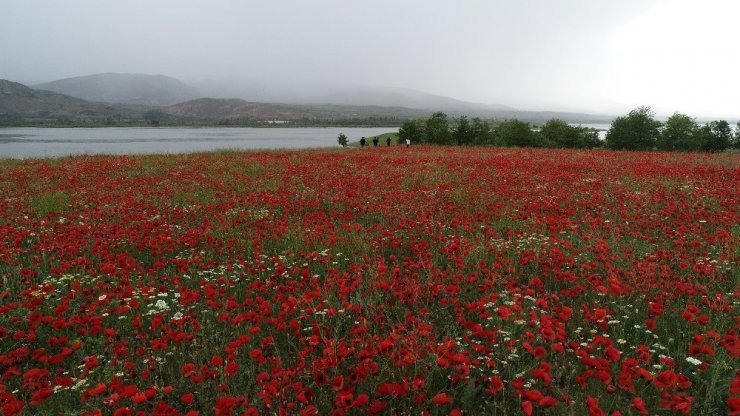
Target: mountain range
x=113 y=96
x=341 y=94
x=136 y=89
x=19 y=102
x=21 y=105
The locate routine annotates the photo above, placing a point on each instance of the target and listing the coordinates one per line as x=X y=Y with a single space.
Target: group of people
x=376 y=141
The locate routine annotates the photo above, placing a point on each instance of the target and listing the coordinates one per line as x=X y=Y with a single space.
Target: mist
x=587 y=56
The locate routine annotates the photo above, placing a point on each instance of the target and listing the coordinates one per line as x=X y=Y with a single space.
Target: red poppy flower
x=442 y=399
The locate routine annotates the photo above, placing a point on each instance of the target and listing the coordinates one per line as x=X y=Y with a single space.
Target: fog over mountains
x=340 y=94
x=255 y=100
x=18 y=101
x=161 y=90
x=137 y=89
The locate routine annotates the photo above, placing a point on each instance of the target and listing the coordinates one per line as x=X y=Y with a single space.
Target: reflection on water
x=43 y=142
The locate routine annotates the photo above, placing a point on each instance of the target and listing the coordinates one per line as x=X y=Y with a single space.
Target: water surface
x=47 y=142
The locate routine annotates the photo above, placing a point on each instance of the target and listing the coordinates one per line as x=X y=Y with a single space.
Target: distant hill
x=21 y=105
x=412 y=103
x=19 y=102
x=137 y=89
x=219 y=108
x=540 y=117
x=346 y=95
x=407 y=98
x=427 y=103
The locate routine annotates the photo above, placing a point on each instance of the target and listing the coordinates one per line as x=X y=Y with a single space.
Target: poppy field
x=422 y=280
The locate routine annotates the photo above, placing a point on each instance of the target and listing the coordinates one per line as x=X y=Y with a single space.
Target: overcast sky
x=597 y=56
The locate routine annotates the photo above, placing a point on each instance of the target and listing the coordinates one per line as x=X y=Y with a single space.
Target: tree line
x=463 y=131
x=637 y=130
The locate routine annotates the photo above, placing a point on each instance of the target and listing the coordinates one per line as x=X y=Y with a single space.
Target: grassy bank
x=382 y=140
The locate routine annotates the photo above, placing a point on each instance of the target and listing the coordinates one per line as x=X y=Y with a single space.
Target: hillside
x=137 y=89
x=19 y=102
x=341 y=95
x=214 y=108
x=376 y=100
x=406 y=98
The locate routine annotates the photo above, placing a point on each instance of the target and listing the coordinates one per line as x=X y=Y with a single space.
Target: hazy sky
x=598 y=56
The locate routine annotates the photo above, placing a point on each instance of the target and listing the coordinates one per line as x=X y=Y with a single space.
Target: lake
x=51 y=142
x=601 y=127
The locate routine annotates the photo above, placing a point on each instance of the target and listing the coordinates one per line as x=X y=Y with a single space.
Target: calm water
x=37 y=142
x=602 y=127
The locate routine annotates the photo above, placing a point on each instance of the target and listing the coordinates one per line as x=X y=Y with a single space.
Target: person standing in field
x=362 y=142
x=388 y=141
x=375 y=141
x=408 y=142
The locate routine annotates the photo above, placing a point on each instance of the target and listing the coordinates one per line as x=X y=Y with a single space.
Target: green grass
x=382 y=138
x=51 y=201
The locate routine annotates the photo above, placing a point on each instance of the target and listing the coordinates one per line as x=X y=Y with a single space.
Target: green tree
x=462 y=133
x=590 y=138
x=342 y=139
x=412 y=130
x=437 y=129
x=481 y=132
x=716 y=136
x=736 y=142
x=636 y=131
x=680 y=133
x=558 y=133
x=517 y=133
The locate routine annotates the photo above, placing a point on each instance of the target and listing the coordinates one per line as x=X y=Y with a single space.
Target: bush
x=558 y=133
x=342 y=139
x=517 y=133
x=636 y=131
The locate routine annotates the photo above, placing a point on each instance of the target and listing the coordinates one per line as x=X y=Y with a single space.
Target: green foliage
x=517 y=133
x=342 y=139
x=637 y=131
x=716 y=136
x=481 y=132
x=472 y=132
x=462 y=133
x=412 y=130
x=680 y=133
x=438 y=129
x=558 y=133
x=736 y=141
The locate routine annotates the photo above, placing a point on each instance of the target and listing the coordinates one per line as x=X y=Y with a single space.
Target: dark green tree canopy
x=438 y=129
x=462 y=133
x=412 y=130
x=716 y=136
x=637 y=131
x=481 y=131
x=680 y=133
x=342 y=139
x=558 y=133
x=517 y=133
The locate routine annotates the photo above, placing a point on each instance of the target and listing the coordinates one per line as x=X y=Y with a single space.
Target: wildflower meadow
x=389 y=280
